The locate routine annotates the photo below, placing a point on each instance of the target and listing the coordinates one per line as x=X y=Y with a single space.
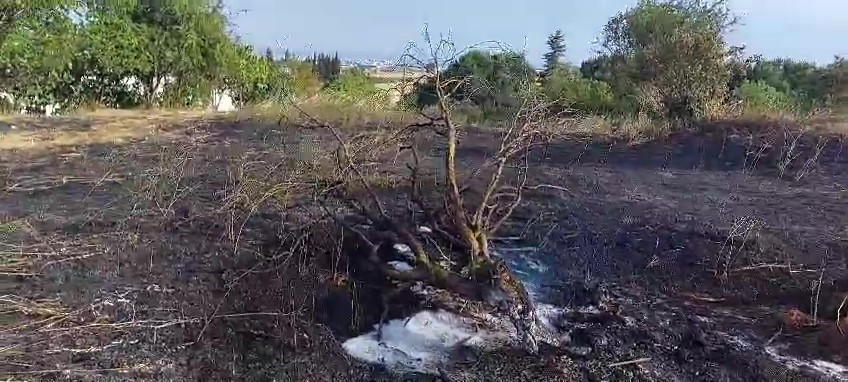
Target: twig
x=65 y=260
x=346 y=151
x=703 y=298
x=153 y=324
x=51 y=183
x=839 y=312
x=257 y=314
x=809 y=165
x=774 y=337
x=772 y=266
x=818 y=296
x=48 y=371
x=630 y=362
x=97 y=184
x=538 y=186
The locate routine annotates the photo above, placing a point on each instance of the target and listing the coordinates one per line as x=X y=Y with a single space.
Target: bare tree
x=472 y=207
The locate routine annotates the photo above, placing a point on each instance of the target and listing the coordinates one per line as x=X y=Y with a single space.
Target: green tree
x=254 y=79
x=491 y=81
x=336 y=65
x=123 y=48
x=14 y=11
x=598 y=68
x=269 y=54
x=807 y=83
x=38 y=41
x=110 y=48
x=184 y=42
x=673 y=57
x=556 y=50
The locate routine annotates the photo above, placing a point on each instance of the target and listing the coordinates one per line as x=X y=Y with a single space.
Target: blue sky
x=813 y=30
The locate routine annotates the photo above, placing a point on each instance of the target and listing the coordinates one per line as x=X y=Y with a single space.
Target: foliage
x=599 y=68
x=12 y=12
x=769 y=72
x=568 y=91
x=155 y=45
x=304 y=80
x=808 y=84
x=254 y=79
x=189 y=45
x=110 y=47
x=123 y=53
x=491 y=81
x=355 y=85
x=737 y=67
x=556 y=50
x=761 y=98
x=36 y=55
x=664 y=59
x=836 y=80
x=177 y=52
x=673 y=57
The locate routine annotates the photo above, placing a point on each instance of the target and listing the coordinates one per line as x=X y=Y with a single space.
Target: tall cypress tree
x=324 y=67
x=556 y=46
x=336 y=67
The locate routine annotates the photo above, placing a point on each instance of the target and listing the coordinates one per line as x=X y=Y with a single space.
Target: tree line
x=663 y=59
x=128 y=53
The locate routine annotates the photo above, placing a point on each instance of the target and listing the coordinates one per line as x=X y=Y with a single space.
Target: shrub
x=186 y=94
x=304 y=80
x=567 y=90
x=356 y=86
x=491 y=81
x=423 y=95
x=253 y=79
x=760 y=98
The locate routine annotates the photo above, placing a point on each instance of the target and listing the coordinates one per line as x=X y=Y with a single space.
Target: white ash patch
x=401 y=266
x=421 y=343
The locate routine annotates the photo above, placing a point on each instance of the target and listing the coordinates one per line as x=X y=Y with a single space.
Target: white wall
x=222 y=101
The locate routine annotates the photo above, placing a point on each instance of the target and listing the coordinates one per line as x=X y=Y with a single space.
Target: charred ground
x=196 y=252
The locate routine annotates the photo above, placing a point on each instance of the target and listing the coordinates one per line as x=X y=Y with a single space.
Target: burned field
x=201 y=252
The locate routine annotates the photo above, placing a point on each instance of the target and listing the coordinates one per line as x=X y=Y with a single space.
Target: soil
x=167 y=258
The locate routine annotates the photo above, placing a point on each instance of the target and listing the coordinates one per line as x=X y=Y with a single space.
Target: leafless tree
x=469 y=208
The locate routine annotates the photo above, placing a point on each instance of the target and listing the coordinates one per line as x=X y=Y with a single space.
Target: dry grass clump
x=633 y=129
x=343 y=114
x=35 y=313
x=107 y=126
